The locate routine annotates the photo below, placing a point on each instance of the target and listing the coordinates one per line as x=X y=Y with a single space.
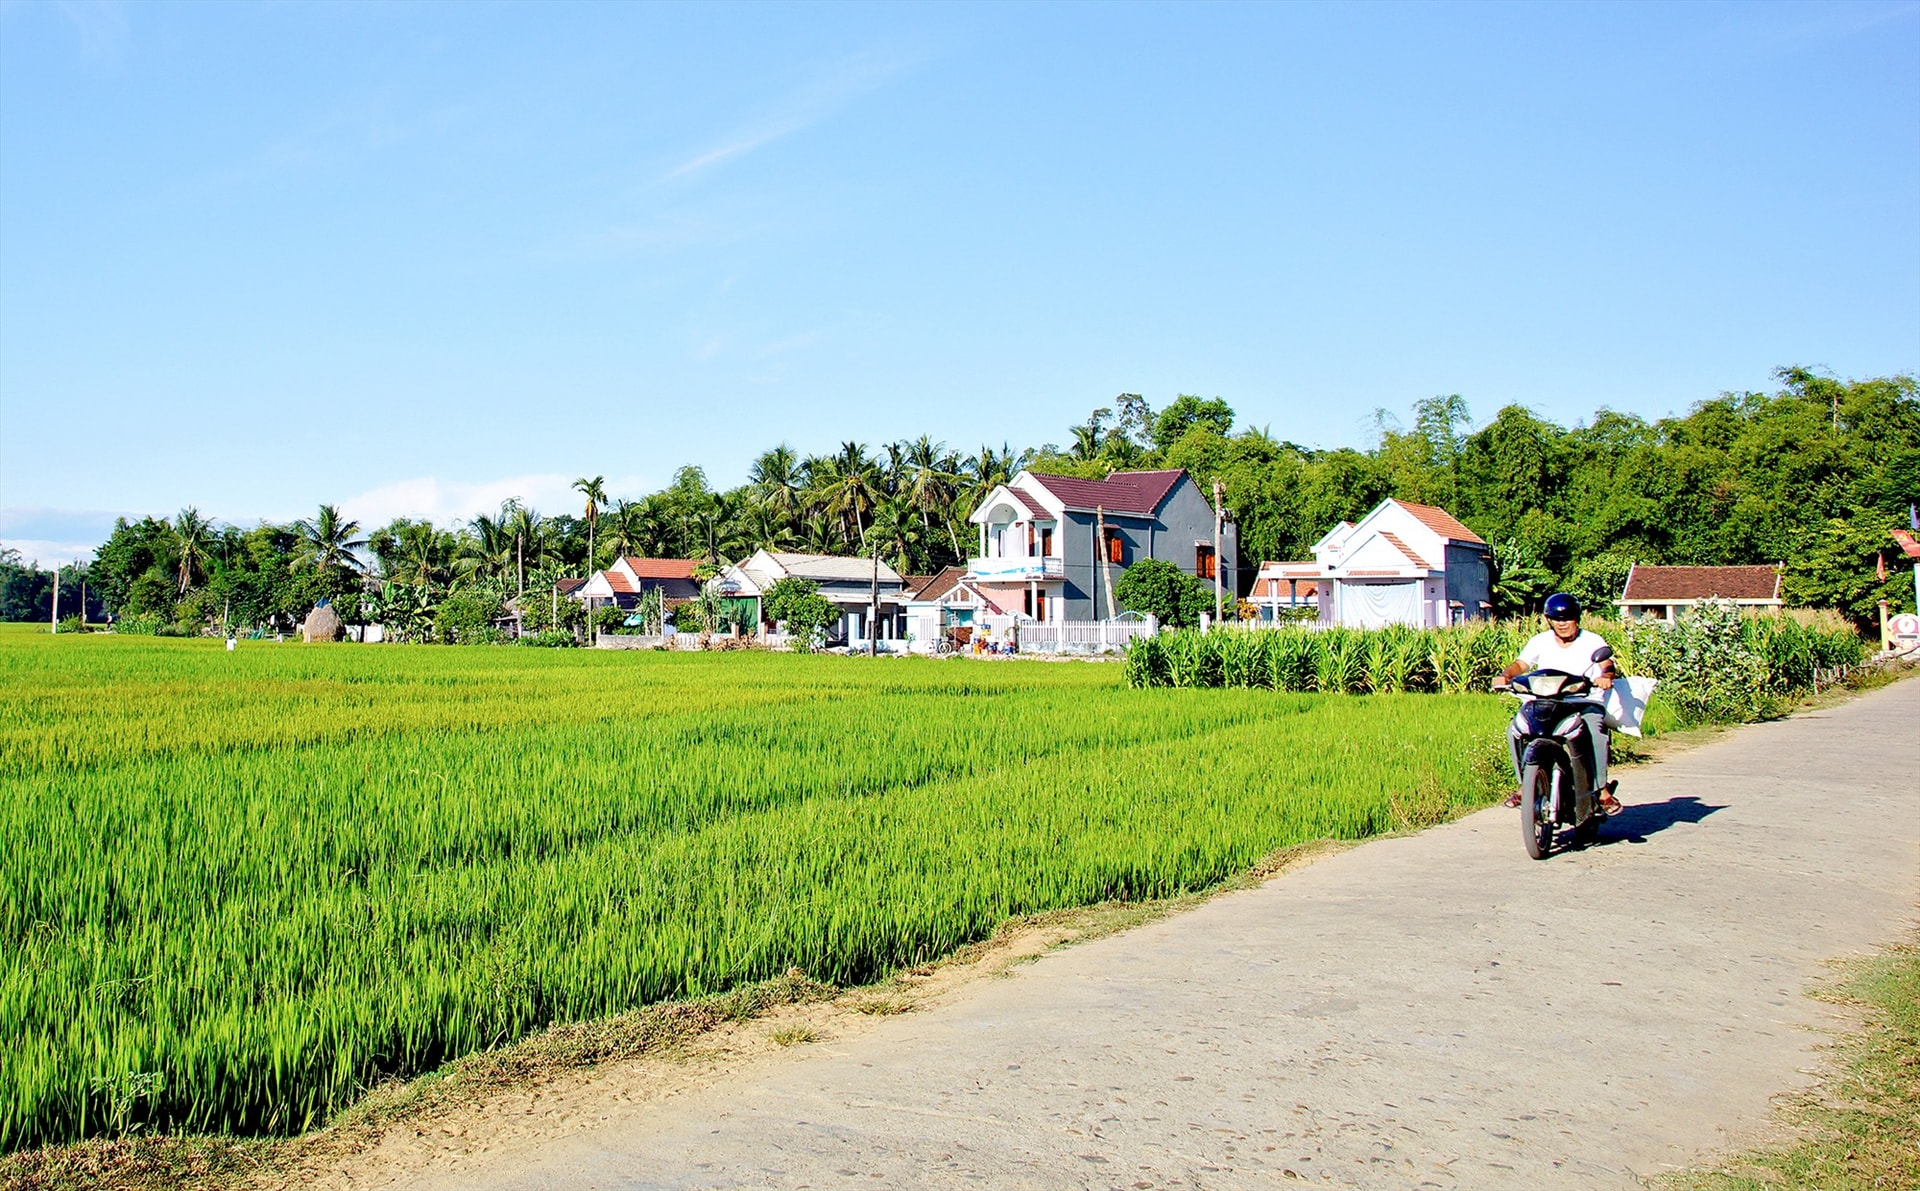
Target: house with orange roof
x=1052 y=547
x=1402 y=563
x=630 y=577
x=1665 y=593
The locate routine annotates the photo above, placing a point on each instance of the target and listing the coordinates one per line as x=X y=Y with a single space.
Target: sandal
x=1609 y=805
x=1513 y=799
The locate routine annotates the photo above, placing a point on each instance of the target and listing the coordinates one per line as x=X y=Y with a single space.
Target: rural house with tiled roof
x=1402 y=563
x=1664 y=593
x=1052 y=547
x=630 y=577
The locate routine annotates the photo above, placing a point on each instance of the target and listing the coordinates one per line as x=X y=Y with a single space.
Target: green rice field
x=238 y=889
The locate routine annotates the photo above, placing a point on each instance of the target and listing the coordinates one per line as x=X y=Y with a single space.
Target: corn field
x=1715 y=665
x=236 y=890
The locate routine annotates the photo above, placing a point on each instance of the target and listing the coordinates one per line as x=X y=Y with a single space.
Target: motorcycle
x=1557 y=759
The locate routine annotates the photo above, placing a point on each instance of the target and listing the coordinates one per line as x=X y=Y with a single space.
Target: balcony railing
x=1017 y=567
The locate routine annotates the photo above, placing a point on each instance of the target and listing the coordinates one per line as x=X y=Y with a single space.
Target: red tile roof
x=1649 y=584
x=569 y=586
x=1394 y=541
x=662 y=568
x=1137 y=492
x=619 y=583
x=1280 y=587
x=1441 y=522
x=1033 y=504
x=936 y=586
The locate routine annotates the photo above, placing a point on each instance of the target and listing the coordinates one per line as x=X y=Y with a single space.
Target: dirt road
x=1434 y=1010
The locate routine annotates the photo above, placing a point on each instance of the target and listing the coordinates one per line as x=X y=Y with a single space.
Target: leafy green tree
x=1162 y=590
x=1837 y=565
x=1188 y=411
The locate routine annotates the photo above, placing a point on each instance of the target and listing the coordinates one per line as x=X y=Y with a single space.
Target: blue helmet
x=1561 y=606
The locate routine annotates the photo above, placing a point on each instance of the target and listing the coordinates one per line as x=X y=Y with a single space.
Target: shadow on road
x=1638 y=821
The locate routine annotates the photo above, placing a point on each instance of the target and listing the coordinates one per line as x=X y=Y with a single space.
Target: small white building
x=850 y=583
x=1402 y=563
x=1280 y=588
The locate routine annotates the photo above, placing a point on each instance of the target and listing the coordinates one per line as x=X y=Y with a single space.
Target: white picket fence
x=1088 y=637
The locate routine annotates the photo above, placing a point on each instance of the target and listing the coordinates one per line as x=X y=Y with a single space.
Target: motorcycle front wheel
x=1536 y=809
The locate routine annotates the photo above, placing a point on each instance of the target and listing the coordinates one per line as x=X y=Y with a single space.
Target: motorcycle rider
x=1568 y=648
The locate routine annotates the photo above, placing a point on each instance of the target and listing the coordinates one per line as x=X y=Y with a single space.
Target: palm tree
x=327 y=542
x=763 y=528
x=778 y=480
x=855 y=487
x=823 y=535
x=595 y=490
x=422 y=555
x=525 y=526
x=895 y=533
x=192 y=542
x=623 y=528
x=486 y=550
x=930 y=480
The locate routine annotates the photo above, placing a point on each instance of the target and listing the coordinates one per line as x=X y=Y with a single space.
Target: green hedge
x=1716 y=665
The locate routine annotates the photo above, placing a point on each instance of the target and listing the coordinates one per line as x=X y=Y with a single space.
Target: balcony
x=1016 y=568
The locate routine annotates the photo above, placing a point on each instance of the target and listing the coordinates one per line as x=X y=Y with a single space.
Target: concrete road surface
x=1432 y=1011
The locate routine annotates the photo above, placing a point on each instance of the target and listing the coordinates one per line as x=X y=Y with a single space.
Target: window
x=1046 y=541
x=1116 y=547
x=1203 y=562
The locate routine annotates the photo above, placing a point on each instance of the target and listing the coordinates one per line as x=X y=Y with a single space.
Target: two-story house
x=1052 y=547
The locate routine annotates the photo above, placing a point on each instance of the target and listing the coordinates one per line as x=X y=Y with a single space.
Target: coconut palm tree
x=327 y=542
x=191 y=537
x=525 y=526
x=854 y=489
x=623 y=528
x=931 y=476
x=779 y=482
x=896 y=531
x=595 y=490
x=486 y=550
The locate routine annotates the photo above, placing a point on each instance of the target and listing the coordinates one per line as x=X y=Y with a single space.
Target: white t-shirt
x=1545 y=652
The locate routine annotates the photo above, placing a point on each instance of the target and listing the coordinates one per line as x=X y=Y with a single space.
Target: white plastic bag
x=1626 y=703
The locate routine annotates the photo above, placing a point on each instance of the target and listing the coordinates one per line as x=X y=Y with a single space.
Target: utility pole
x=56 y=599
x=1103 y=553
x=1219 y=516
x=873 y=609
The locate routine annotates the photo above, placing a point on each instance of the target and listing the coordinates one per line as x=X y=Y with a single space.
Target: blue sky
x=418 y=258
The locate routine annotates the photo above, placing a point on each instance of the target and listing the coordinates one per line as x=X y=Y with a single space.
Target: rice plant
x=236 y=890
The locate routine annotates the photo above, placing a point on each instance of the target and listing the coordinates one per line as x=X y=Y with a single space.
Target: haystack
x=322 y=624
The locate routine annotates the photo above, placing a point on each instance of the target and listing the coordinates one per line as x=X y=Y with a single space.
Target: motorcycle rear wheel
x=1536 y=809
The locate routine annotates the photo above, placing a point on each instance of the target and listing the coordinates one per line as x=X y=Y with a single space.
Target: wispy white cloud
x=1771 y=31
x=840 y=84
x=47 y=555
x=445 y=502
x=790 y=343
x=55 y=536
x=102 y=27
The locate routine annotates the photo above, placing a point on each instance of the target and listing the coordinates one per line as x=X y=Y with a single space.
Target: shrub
x=1157 y=588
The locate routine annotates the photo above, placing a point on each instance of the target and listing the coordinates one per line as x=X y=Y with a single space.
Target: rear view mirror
x=1603 y=653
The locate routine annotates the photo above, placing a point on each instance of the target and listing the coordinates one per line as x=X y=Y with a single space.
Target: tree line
x=1813 y=474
